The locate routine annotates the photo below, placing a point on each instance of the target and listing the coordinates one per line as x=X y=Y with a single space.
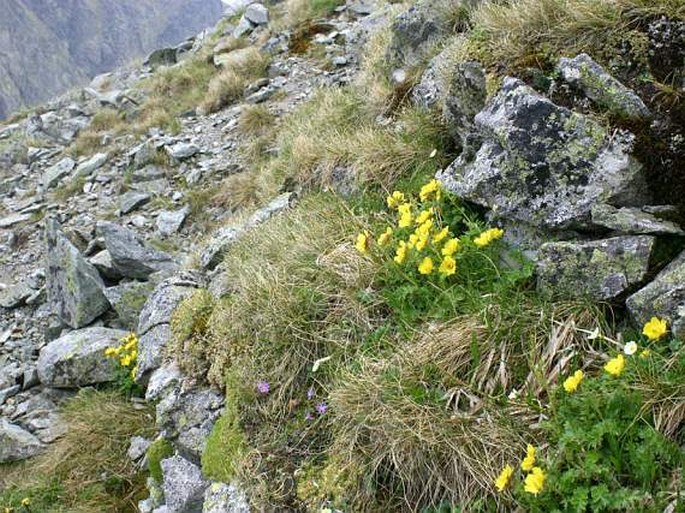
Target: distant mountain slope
x=47 y=46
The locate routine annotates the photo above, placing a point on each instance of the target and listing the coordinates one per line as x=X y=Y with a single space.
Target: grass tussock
x=334 y=138
x=255 y=120
x=296 y=13
x=534 y=32
x=240 y=68
x=87 y=469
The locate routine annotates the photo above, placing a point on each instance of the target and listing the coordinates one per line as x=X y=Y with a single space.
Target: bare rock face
x=16 y=443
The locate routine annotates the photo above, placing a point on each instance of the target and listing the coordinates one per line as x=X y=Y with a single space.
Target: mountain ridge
x=51 y=46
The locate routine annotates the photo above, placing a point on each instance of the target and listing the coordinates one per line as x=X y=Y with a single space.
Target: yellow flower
x=488 y=236
x=405 y=221
x=450 y=247
x=504 y=477
x=125 y=361
x=110 y=351
x=362 y=243
x=413 y=239
x=529 y=461
x=426 y=266
x=571 y=383
x=425 y=228
x=616 y=365
x=655 y=328
x=395 y=199
x=424 y=216
x=438 y=237
x=448 y=266
x=134 y=370
x=535 y=481
x=645 y=353
x=630 y=348
x=26 y=502
x=384 y=237
x=431 y=189
x=401 y=253
x=422 y=242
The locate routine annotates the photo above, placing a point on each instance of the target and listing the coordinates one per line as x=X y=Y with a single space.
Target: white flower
x=513 y=395
x=594 y=334
x=630 y=348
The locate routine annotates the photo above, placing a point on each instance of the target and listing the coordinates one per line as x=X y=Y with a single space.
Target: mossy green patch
x=160 y=449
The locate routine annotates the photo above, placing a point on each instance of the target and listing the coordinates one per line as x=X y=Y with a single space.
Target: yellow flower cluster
x=126 y=353
x=430 y=245
x=534 y=481
x=488 y=236
x=572 y=382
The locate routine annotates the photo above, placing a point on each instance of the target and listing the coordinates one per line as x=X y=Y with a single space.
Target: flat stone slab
x=600 y=269
x=78 y=358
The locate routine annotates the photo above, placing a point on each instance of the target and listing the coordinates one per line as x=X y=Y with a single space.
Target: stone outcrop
x=75 y=289
x=78 y=358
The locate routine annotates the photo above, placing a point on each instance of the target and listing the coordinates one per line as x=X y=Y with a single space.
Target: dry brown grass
x=241 y=67
x=89 y=463
x=255 y=119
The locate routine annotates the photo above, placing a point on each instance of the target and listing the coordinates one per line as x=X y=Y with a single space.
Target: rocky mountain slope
x=331 y=265
x=48 y=47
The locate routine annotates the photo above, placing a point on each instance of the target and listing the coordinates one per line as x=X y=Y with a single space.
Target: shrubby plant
x=126 y=354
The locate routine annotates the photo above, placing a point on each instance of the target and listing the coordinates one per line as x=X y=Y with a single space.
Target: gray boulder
x=600 y=270
x=258 y=14
x=188 y=416
x=78 y=358
x=464 y=99
x=127 y=300
x=170 y=222
x=130 y=256
x=133 y=200
x=55 y=173
x=415 y=32
x=102 y=261
x=182 y=150
x=633 y=221
x=75 y=289
x=89 y=166
x=161 y=57
x=183 y=484
x=153 y=323
x=664 y=297
x=223 y=498
x=600 y=87
x=543 y=165
x=16 y=443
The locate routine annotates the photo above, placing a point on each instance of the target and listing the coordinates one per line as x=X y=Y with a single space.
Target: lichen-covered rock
x=130 y=256
x=127 y=300
x=153 y=323
x=599 y=269
x=543 y=165
x=664 y=297
x=16 y=443
x=75 y=289
x=464 y=99
x=55 y=173
x=78 y=358
x=223 y=498
x=182 y=415
x=431 y=89
x=184 y=487
x=600 y=87
x=415 y=32
x=632 y=221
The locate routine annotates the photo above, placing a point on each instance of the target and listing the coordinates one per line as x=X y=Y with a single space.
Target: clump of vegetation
x=126 y=355
x=239 y=69
x=159 y=449
x=87 y=469
x=255 y=119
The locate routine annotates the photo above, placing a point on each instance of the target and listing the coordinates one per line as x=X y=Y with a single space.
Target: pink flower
x=310 y=393
x=263 y=387
x=321 y=408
